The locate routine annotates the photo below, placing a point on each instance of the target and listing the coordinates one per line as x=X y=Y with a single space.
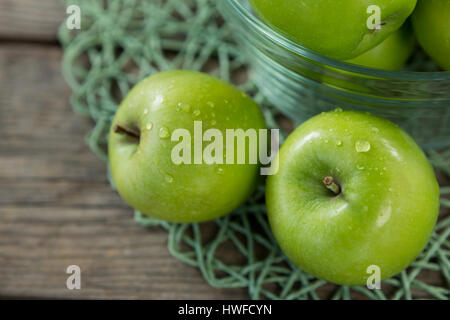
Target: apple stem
x=331 y=184
x=121 y=130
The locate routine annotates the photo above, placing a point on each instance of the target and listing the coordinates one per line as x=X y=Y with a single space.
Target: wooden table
x=56 y=207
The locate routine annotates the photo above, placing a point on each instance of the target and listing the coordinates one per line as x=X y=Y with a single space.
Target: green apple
x=141 y=145
x=431 y=21
x=392 y=53
x=352 y=191
x=337 y=29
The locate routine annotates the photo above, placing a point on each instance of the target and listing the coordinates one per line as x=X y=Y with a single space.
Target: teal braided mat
x=124 y=41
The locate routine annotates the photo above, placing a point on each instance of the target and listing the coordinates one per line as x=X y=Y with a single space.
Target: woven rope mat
x=121 y=42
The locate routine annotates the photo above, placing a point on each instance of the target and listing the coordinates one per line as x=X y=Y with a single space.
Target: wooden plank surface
x=34 y=20
x=56 y=207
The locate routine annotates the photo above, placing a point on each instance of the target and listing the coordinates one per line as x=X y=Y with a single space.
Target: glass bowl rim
x=291 y=46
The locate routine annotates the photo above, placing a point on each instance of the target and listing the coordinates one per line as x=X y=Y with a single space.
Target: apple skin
x=392 y=53
x=144 y=174
x=431 y=21
x=337 y=29
x=384 y=215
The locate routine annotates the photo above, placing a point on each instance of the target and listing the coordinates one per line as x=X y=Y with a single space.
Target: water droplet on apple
x=362 y=146
x=390 y=189
x=339 y=143
x=169 y=178
x=213 y=122
x=360 y=167
x=149 y=126
x=219 y=170
x=164 y=133
x=375 y=129
x=211 y=104
x=184 y=107
x=159 y=99
x=338 y=110
x=196 y=113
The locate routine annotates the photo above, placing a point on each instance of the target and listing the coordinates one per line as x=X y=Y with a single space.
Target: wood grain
x=34 y=20
x=56 y=207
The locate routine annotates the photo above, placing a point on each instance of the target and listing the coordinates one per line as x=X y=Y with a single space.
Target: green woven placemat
x=121 y=42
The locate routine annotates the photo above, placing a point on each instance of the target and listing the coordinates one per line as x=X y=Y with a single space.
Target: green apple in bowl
x=142 y=145
x=431 y=21
x=392 y=53
x=352 y=191
x=337 y=29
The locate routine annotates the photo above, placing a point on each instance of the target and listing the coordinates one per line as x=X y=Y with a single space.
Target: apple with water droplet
x=352 y=191
x=141 y=143
x=337 y=29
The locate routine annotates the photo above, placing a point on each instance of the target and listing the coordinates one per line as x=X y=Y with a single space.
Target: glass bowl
x=302 y=83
